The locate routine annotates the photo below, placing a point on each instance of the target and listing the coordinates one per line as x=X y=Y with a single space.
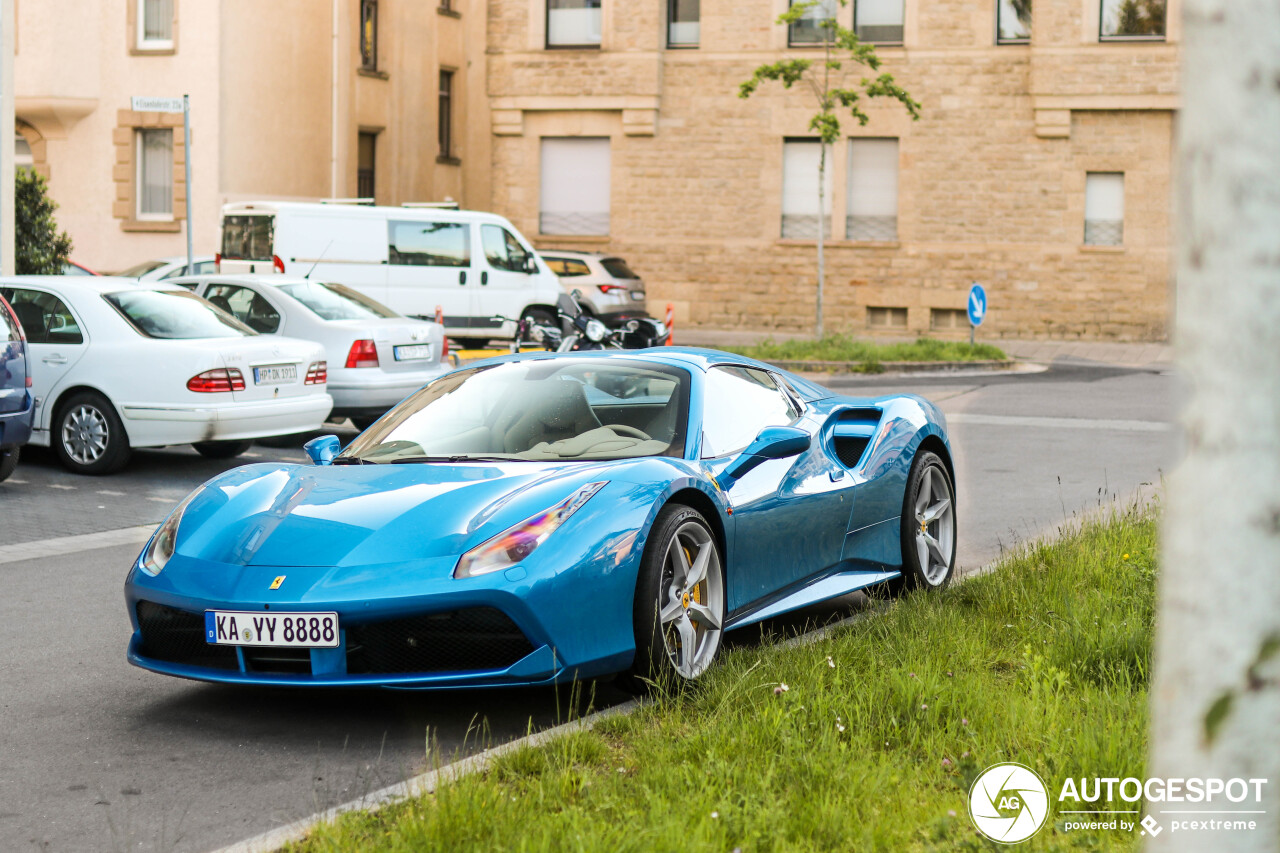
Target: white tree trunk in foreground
x=1220 y=581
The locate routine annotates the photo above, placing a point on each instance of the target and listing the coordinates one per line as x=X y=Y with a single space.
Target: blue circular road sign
x=977 y=304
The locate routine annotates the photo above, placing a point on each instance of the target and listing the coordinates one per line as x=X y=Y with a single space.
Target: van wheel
x=221 y=449
x=472 y=343
x=88 y=435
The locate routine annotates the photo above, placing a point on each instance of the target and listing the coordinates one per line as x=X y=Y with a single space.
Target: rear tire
x=8 y=461
x=928 y=526
x=221 y=449
x=679 y=603
x=88 y=436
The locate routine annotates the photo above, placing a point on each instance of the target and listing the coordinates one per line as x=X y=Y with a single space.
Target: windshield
x=175 y=314
x=337 y=301
x=141 y=269
x=544 y=410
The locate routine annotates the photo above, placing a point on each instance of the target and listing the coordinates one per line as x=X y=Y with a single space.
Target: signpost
x=977 y=308
x=182 y=105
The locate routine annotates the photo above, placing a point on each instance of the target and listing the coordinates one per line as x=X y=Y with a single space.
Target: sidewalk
x=1143 y=355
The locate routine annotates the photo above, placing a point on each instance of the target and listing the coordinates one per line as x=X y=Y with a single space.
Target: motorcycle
x=580 y=332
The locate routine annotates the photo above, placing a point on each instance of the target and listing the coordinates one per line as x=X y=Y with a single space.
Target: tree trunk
x=1216 y=693
x=822 y=227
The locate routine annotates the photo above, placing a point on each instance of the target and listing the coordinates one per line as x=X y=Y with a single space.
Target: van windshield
x=248 y=237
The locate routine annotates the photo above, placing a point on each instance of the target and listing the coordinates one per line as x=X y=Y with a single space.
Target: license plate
x=297 y=630
x=276 y=374
x=413 y=353
x=637 y=296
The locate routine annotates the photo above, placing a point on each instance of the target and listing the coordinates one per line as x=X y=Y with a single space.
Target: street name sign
x=156 y=105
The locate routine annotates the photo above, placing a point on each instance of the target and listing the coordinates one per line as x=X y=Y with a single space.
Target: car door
x=55 y=342
x=790 y=515
x=506 y=285
x=429 y=265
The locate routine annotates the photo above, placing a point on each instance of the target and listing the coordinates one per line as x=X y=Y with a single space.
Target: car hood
x=298 y=515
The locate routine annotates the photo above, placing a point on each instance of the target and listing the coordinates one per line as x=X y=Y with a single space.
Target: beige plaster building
x=290 y=99
x=1040 y=167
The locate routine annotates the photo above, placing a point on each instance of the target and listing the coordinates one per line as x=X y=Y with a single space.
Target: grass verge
x=844 y=348
x=871 y=745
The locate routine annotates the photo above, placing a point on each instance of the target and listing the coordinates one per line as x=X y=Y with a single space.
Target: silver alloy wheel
x=691 y=599
x=935 y=526
x=85 y=434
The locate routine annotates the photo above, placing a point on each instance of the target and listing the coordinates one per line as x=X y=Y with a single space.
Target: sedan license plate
x=297 y=630
x=276 y=374
x=413 y=353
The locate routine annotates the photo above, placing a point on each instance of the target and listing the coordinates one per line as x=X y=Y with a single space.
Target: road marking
x=75 y=544
x=969 y=418
x=418 y=785
x=112 y=493
x=61 y=486
x=163 y=500
x=15 y=481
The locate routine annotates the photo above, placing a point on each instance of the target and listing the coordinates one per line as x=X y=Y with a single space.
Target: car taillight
x=277 y=264
x=217 y=262
x=362 y=354
x=317 y=373
x=28 y=381
x=610 y=288
x=216 y=380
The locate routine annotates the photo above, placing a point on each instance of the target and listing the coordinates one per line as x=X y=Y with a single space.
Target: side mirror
x=530 y=264
x=776 y=442
x=322 y=450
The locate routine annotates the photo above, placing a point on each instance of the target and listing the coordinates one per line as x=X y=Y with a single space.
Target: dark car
x=17 y=406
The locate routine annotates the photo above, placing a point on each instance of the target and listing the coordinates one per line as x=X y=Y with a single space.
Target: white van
x=472 y=265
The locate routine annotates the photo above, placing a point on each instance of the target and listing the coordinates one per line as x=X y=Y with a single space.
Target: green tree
x=829 y=80
x=39 y=248
x=1141 y=18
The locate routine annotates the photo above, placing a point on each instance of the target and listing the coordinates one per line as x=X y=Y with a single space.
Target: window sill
x=592 y=48
x=370 y=72
x=155 y=225
x=683 y=46
x=448 y=13
x=576 y=238
x=839 y=244
x=158 y=50
x=1090 y=249
x=1132 y=39
x=447 y=160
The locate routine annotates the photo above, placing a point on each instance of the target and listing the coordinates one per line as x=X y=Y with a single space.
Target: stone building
x=1040 y=167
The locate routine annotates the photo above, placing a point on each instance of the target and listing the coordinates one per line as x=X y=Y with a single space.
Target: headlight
x=596 y=330
x=161 y=547
x=519 y=541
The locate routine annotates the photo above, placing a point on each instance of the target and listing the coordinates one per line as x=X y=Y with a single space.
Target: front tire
x=679 y=607
x=928 y=526
x=88 y=435
x=221 y=449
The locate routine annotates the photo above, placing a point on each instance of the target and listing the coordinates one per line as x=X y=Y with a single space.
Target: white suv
x=610 y=290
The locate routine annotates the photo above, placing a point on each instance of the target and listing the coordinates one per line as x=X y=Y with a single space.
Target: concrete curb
x=877 y=368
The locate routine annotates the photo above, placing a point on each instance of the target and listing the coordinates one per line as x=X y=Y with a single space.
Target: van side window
x=430 y=244
x=502 y=250
x=44 y=317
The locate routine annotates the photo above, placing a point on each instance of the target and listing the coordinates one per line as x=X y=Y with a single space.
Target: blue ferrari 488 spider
x=542 y=517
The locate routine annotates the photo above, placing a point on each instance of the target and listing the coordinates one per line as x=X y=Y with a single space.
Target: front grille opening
x=177 y=636
x=277 y=660
x=478 y=638
x=849 y=449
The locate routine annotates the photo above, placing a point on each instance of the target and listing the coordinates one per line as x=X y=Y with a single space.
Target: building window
x=809 y=30
x=369 y=35
x=943 y=319
x=1013 y=24
x=800 y=190
x=1132 y=19
x=886 y=318
x=366 y=165
x=873 y=190
x=574 y=194
x=1104 y=209
x=446 y=5
x=155 y=173
x=878 y=21
x=573 y=23
x=22 y=156
x=683 y=23
x=155 y=24
x=445 y=118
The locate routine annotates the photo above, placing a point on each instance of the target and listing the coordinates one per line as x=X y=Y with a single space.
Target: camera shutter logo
x=1008 y=803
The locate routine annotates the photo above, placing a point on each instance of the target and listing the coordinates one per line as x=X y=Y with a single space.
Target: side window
x=430 y=244
x=567 y=267
x=738 y=402
x=44 y=317
x=501 y=249
x=246 y=306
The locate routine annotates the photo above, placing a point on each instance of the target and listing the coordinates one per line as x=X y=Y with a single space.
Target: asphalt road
x=97 y=755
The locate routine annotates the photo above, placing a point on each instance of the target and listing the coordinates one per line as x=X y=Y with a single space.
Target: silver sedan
x=376 y=356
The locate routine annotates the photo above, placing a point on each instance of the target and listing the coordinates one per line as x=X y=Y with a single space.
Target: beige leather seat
x=560 y=411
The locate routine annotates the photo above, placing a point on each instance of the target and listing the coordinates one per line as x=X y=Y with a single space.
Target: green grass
x=847 y=349
x=883 y=727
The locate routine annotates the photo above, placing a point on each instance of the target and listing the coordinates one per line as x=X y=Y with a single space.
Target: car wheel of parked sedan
x=88 y=435
x=221 y=449
x=928 y=526
x=680 y=602
x=8 y=461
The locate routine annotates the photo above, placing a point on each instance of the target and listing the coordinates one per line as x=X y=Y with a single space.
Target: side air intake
x=853 y=431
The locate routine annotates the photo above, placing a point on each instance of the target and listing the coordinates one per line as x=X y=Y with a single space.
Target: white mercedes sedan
x=376 y=356
x=116 y=365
